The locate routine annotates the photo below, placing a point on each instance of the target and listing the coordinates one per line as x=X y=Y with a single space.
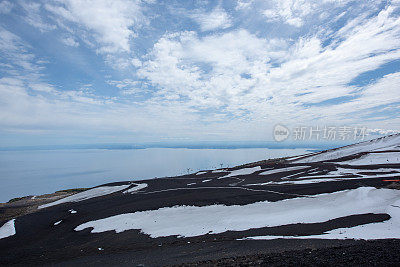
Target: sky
x=90 y=71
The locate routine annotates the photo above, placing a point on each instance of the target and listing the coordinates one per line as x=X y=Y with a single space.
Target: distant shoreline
x=273 y=145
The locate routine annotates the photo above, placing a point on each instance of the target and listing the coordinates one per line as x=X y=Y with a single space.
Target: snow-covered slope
x=92 y=193
x=387 y=143
x=8 y=229
x=187 y=221
x=375 y=158
x=351 y=192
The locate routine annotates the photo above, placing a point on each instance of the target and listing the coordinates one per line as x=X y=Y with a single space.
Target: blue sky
x=87 y=71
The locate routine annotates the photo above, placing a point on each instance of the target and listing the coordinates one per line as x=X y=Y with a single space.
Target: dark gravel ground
x=369 y=253
x=39 y=242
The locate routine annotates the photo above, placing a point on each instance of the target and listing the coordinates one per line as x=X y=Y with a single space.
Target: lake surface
x=35 y=172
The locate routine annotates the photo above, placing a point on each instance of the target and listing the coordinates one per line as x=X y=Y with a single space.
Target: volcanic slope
x=335 y=198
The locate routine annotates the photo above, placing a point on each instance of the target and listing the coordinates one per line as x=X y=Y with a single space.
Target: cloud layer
x=141 y=70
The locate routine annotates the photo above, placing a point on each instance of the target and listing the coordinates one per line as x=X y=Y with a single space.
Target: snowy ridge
x=91 y=193
x=375 y=158
x=323 y=179
x=386 y=143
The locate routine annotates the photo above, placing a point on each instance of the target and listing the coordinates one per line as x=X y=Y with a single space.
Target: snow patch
x=273 y=171
x=328 y=178
x=8 y=229
x=187 y=221
x=322 y=179
x=341 y=171
x=91 y=193
x=244 y=171
x=383 y=230
x=386 y=143
x=345 y=171
x=136 y=188
x=375 y=158
x=218 y=171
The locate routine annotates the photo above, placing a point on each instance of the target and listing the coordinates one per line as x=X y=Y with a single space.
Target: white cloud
x=243 y=4
x=381 y=93
x=232 y=84
x=111 y=22
x=33 y=16
x=5 y=7
x=382 y=131
x=289 y=11
x=216 y=19
x=27 y=102
x=15 y=52
x=129 y=87
x=69 y=41
x=295 y=12
x=178 y=61
x=42 y=87
x=250 y=78
x=123 y=84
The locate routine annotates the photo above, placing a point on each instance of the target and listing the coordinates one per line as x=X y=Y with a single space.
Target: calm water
x=44 y=171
